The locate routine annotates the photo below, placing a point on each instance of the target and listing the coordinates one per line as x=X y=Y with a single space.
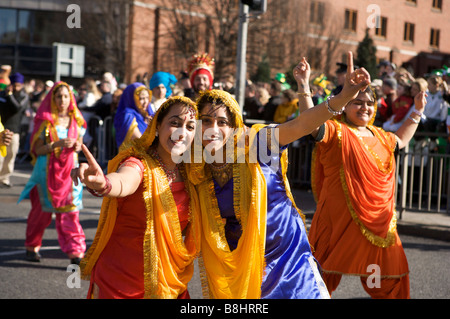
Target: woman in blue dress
x=254 y=241
x=133 y=113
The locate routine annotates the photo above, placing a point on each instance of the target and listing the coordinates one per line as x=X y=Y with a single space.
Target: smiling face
x=176 y=130
x=144 y=99
x=359 y=111
x=216 y=126
x=201 y=82
x=61 y=97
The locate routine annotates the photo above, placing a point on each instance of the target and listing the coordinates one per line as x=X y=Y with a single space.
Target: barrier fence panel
x=422 y=175
x=101 y=143
x=423 y=179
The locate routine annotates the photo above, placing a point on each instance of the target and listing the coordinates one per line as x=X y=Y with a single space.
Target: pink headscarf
x=60 y=161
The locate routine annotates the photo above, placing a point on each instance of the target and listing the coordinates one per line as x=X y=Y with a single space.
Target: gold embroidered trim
x=370 y=236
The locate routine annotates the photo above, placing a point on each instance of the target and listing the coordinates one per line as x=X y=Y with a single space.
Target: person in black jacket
x=274 y=101
x=13 y=102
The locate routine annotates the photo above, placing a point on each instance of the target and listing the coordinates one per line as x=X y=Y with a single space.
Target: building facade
x=133 y=37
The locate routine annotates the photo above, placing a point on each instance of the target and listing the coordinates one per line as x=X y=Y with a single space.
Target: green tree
x=366 y=55
x=263 y=72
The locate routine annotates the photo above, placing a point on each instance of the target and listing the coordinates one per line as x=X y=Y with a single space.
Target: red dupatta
x=60 y=161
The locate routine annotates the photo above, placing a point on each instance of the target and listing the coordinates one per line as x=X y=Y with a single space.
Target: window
x=317 y=12
x=350 y=20
x=8 y=26
x=381 y=29
x=412 y=1
x=408 y=35
x=434 y=38
x=437 y=5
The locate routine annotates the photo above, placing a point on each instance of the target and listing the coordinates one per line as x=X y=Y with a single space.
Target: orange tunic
x=119 y=271
x=354 y=225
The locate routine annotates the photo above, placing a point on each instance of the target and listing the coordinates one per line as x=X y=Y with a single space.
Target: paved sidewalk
x=426 y=224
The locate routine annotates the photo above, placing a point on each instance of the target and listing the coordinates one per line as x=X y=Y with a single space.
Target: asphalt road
x=51 y=278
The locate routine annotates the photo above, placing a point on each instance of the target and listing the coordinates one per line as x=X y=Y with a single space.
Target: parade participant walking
x=148 y=231
x=353 y=180
x=134 y=113
x=254 y=241
x=55 y=141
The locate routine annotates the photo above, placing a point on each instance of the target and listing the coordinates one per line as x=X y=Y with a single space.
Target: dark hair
x=216 y=103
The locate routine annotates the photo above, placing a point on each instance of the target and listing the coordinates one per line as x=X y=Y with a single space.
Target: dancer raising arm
x=353 y=180
x=254 y=241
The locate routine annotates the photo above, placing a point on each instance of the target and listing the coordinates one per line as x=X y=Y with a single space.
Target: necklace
x=379 y=162
x=170 y=173
x=222 y=174
x=63 y=121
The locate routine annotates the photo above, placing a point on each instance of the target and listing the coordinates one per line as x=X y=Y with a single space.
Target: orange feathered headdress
x=201 y=64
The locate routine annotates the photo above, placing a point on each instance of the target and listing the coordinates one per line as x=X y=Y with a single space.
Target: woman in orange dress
x=148 y=231
x=353 y=230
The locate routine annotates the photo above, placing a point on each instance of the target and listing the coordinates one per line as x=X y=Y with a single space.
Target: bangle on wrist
x=418 y=113
x=102 y=192
x=334 y=112
x=414 y=120
x=304 y=94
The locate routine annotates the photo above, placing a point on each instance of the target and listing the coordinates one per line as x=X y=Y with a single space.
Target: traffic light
x=256 y=6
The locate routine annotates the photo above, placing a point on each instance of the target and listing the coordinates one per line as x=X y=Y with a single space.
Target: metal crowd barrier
x=103 y=144
x=423 y=176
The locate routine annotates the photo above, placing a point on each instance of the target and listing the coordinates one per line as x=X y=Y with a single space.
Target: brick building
x=132 y=37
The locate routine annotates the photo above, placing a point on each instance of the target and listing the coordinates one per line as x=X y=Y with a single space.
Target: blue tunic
x=291 y=271
x=39 y=178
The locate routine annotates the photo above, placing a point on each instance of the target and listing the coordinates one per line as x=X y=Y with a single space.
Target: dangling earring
x=156 y=134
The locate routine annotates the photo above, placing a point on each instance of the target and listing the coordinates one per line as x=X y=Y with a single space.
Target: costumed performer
x=148 y=232
x=254 y=241
x=353 y=180
x=201 y=75
x=55 y=142
x=134 y=113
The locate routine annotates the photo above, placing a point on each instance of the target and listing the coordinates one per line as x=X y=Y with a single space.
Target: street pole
x=241 y=64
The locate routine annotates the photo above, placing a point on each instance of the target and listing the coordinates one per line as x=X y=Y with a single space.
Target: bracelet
x=418 y=113
x=414 y=120
x=327 y=102
x=102 y=192
x=305 y=94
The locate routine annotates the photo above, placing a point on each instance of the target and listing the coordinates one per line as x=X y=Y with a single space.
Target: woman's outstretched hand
x=90 y=173
x=355 y=80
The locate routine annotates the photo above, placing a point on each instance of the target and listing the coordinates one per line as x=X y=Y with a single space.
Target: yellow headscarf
x=168 y=258
x=233 y=274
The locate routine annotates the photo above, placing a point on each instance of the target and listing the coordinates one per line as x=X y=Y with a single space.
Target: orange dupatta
x=367 y=183
x=168 y=257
